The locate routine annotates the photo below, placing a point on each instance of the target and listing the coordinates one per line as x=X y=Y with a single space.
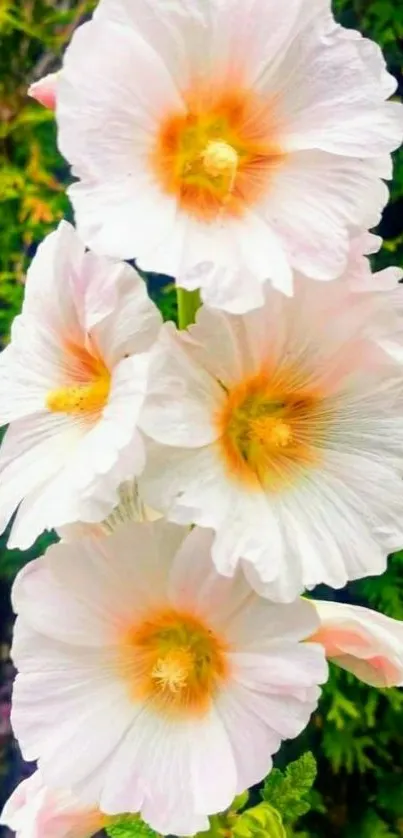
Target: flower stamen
x=174 y=661
x=80 y=399
x=220 y=158
x=171 y=672
x=270 y=431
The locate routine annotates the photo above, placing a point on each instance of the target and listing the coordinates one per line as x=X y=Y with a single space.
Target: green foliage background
x=357 y=734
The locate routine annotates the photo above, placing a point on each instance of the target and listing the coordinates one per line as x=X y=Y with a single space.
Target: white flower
x=362 y=641
x=147 y=682
x=225 y=142
x=282 y=430
x=36 y=811
x=72 y=383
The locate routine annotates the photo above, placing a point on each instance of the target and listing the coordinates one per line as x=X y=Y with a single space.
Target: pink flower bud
x=362 y=641
x=44 y=90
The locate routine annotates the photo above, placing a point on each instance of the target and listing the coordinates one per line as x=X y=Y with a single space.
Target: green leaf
x=260 y=822
x=129 y=826
x=371 y=826
x=287 y=792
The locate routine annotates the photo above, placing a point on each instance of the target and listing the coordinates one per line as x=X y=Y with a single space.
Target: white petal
x=82 y=579
x=195 y=583
x=189 y=420
x=252 y=741
x=32 y=452
x=134 y=322
x=283 y=667
x=261 y=622
x=67 y=730
x=196 y=758
x=317 y=197
x=329 y=100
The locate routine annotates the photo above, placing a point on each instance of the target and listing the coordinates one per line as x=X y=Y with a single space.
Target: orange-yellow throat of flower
x=217 y=156
x=270 y=427
x=172 y=660
x=86 y=396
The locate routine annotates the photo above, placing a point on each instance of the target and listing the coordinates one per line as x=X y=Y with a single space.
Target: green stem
x=188 y=303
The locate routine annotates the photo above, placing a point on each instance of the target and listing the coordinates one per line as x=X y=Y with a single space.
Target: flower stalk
x=188 y=304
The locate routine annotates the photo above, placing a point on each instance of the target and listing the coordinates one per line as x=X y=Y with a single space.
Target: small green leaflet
x=261 y=821
x=129 y=826
x=287 y=792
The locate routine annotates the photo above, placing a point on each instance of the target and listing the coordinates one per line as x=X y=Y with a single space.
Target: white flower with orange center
x=72 y=382
x=36 y=811
x=362 y=641
x=225 y=143
x=149 y=683
x=277 y=430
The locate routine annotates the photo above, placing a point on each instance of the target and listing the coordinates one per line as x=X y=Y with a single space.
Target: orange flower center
x=271 y=427
x=174 y=661
x=87 y=390
x=218 y=156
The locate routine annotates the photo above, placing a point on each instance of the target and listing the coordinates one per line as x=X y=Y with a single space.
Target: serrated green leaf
x=129 y=826
x=287 y=792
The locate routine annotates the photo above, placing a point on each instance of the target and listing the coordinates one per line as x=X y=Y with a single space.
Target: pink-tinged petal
x=282 y=667
x=244 y=726
x=178 y=749
x=362 y=641
x=63 y=583
x=265 y=704
x=259 y=621
x=45 y=90
x=193 y=579
x=36 y=811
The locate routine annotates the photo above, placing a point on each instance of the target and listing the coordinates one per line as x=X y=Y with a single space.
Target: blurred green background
x=357 y=734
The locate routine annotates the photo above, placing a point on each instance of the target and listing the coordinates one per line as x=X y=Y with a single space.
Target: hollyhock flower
x=362 y=641
x=276 y=429
x=147 y=682
x=36 y=811
x=260 y=135
x=44 y=90
x=71 y=385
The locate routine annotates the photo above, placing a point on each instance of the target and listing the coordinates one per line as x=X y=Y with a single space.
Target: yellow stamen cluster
x=172 y=671
x=220 y=158
x=217 y=156
x=269 y=429
x=80 y=399
x=173 y=661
